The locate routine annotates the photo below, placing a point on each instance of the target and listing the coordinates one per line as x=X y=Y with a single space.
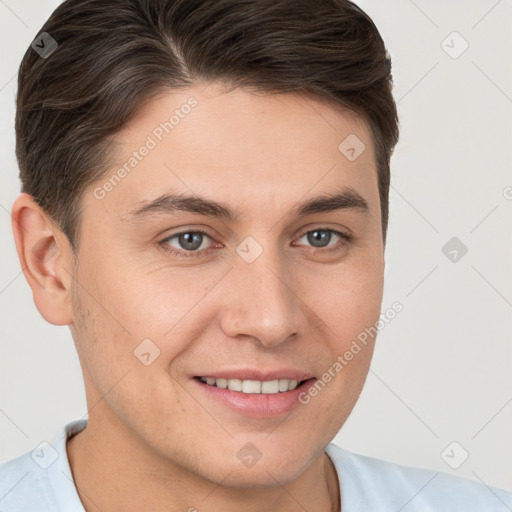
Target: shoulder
x=367 y=483
x=23 y=485
x=41 y=479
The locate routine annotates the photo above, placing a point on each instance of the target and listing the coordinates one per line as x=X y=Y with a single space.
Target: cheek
x=124 y=363
x=347 y=299
x=101 y=339
x=348 y=303
x=129 y=316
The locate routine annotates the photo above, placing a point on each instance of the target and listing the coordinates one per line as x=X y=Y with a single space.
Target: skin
x=154 y=440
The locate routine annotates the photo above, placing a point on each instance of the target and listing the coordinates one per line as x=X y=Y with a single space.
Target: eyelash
x=191 y=254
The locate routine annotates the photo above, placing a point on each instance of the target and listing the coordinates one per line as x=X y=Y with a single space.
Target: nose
x=260 y=302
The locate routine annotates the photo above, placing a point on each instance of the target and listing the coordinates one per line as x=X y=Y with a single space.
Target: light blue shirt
x=41 y=481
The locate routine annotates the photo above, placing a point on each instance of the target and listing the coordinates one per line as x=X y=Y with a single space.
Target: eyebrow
x=347 y=198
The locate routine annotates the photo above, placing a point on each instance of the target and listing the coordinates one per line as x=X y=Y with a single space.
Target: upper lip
x=263 y=375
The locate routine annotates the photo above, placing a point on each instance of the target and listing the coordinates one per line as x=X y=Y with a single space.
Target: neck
x=114 y=471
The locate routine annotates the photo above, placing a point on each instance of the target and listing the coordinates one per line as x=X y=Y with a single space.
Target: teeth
x=283 y=384
x=267 y=387
x=251 y=386
x=235 y=385
x=220 y=383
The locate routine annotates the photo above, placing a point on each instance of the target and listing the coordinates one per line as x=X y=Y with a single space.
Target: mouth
x=273 y=396
x=253 y=387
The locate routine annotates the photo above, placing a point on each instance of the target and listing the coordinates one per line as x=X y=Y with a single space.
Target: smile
x=267 y=387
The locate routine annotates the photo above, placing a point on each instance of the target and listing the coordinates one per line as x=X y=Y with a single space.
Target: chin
x=252 y=468
x=260 y=477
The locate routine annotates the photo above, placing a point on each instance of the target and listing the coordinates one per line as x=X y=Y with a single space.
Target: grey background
x=442 y=368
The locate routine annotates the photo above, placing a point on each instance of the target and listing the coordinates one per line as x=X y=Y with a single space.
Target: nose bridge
x=262 y=306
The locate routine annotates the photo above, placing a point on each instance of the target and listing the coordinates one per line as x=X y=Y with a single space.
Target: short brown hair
x=115 y=55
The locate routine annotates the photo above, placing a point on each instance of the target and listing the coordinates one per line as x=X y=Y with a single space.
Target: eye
x=320 y=238
x=190 y=242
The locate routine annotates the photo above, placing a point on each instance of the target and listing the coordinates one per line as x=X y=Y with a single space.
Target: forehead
x=241 y=144
x=239 y=112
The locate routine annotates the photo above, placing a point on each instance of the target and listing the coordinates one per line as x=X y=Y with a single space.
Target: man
x=205 y=204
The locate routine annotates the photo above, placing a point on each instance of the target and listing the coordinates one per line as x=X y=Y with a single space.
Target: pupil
x=187 y=240
x=319 y=236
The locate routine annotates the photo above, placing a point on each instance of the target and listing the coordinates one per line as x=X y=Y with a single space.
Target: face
x=259 y=278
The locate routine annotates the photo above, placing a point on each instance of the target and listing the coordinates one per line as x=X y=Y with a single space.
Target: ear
x=46 y=258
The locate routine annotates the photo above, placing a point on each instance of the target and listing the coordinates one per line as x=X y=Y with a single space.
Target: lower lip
x=256 y=405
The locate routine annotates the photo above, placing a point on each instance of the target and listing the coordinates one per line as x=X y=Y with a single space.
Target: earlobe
x=46 y=259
